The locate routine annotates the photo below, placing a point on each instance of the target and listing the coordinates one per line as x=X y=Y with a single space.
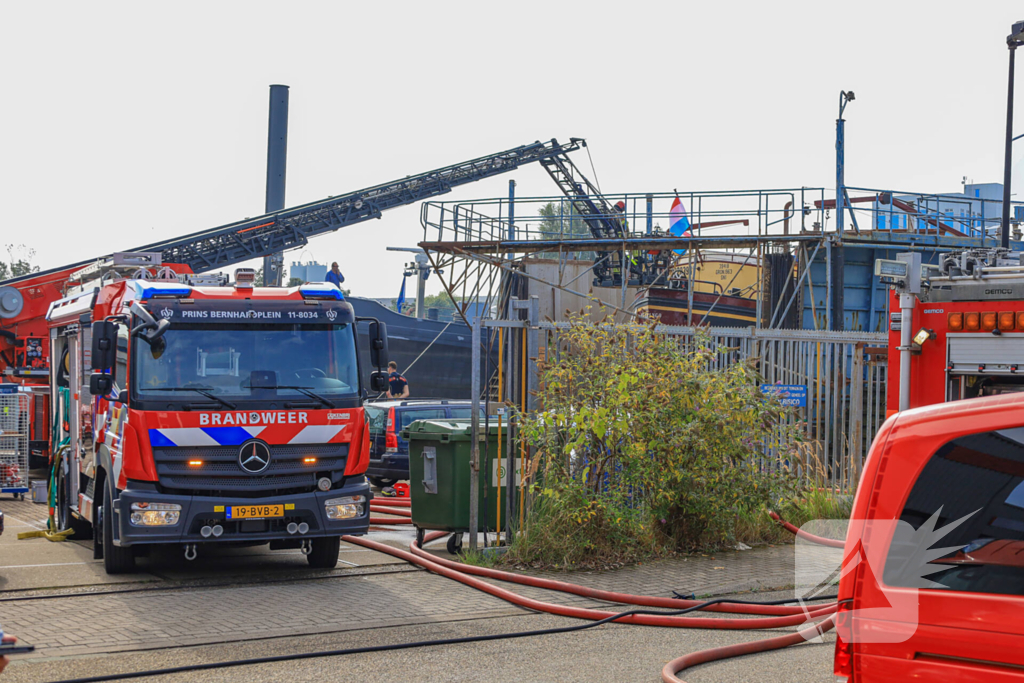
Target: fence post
x=857 y=411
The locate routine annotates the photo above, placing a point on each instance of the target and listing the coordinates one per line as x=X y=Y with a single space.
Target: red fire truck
x=189 y=412
x=956 y=329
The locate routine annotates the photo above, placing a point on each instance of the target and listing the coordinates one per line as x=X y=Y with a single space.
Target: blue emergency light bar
x=147 y=289
x=321 y=290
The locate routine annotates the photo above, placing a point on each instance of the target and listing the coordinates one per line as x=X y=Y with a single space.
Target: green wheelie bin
x=439 y=476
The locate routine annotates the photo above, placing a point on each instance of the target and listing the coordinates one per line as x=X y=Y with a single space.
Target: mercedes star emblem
x=254 y=456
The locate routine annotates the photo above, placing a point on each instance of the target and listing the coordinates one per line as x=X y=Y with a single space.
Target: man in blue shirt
x=334 y=275
x=398 y=386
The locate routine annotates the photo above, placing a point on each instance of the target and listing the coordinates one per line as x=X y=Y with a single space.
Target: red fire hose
x=608 y=596
x=582 y=613
x=398 y=512
x=782 y=615
x=668 y=674
x=392 y=501
x=831 y=543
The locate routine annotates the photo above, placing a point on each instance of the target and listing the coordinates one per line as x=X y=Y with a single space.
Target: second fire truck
x=956 y=329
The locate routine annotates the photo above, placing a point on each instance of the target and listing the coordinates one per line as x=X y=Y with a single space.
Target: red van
x=939 y=519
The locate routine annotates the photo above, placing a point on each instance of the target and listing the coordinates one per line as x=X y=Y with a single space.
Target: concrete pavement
x=246 y=602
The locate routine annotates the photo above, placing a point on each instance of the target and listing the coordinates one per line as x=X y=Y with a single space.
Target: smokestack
x=277 y=163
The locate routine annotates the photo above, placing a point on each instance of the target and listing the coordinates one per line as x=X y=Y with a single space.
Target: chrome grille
x=220 y=470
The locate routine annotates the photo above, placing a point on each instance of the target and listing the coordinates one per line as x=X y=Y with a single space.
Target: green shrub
x=640 y=447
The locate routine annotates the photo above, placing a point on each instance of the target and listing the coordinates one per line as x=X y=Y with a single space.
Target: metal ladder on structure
x=602 y=220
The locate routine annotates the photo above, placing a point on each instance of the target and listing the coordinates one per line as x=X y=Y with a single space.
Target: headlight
x=155 y=514
x=345 y=508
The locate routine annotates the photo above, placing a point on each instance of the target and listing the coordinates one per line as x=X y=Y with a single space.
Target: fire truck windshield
x=247 y=362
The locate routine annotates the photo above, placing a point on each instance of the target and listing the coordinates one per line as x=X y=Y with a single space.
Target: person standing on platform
x=334 y=275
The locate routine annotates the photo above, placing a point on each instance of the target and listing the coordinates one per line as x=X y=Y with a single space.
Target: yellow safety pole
x=522 y=446
x=501 y=358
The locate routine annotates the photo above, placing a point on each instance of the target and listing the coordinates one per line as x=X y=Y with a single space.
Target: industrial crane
x=24 y=344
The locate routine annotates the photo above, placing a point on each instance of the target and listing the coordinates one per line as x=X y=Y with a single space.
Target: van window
x=465 y=413
x=378 y=418
x=979 y=479
x=410 y=416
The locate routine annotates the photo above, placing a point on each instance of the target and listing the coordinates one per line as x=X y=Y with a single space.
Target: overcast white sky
x=124 y=123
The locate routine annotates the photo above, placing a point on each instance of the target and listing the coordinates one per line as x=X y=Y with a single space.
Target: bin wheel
x=420 y=533
x=455 y=543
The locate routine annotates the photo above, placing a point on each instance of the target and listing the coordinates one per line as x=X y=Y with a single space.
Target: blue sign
x=792 y=395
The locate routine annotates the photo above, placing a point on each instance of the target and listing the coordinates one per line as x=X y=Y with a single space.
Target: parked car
x=389 y=452
x=939 y=519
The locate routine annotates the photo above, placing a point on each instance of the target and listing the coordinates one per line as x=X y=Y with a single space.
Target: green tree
x=561 y=221
x=440 y=301
x=18 y=263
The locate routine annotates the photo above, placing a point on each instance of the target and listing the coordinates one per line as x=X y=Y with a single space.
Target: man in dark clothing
x=398 y=387
x=334 y=275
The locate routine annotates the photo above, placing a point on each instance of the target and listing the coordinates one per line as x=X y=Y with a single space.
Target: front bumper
x=390 y=466
x=200 y=511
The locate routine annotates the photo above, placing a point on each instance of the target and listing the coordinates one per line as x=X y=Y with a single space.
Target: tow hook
x=307 y=547
x=190 y=551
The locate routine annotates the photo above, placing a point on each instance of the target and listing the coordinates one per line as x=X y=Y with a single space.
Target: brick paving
x=188 y=616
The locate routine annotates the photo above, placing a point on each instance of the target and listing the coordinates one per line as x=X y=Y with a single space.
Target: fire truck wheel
x=115 y=560
x=325 y=553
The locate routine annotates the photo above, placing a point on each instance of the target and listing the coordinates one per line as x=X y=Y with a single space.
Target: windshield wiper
x=204 y=392
x=306 y=391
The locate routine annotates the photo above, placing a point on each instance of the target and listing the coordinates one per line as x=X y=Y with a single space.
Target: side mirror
x=378 y=382
x=161 y=327
x=122 y=397
x=150 y=329
x=104 y=344
x=378 y=334
x=100 y=385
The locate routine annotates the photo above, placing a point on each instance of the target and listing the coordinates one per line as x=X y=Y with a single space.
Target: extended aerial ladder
x=604 y=222
x=24 y=300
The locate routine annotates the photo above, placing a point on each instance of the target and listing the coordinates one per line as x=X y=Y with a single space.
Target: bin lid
x=454 y=430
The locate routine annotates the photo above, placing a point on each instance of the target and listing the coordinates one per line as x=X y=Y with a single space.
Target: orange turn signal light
x=1020 y=321
x=972 y=322
x=955 y=322
x=195 y=463
x=988 y=321
x=1006 y=321
x=309 y=461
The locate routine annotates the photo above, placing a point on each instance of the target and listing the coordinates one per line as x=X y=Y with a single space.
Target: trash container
x=439 y=476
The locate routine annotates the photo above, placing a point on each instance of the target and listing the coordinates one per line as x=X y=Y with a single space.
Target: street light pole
x=835 y=261
x=1015 y=38
x=845 y=97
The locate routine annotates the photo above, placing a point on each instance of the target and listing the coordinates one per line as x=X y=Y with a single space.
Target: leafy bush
x=640 y=447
